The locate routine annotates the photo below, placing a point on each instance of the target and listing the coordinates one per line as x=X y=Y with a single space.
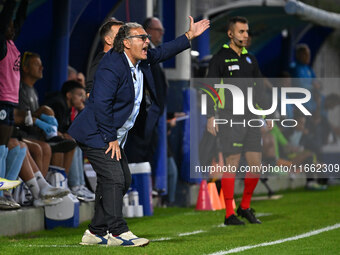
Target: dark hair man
x=72 y=95
x=102 y=127
x=107 y=34
x=234 y=61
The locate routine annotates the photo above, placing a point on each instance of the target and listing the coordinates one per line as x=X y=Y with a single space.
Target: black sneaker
x=59 y=144
x=233 y=220
x=248 y=214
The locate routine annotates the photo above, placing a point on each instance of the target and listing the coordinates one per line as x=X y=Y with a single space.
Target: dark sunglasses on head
x=143 y=37
x=26 y=54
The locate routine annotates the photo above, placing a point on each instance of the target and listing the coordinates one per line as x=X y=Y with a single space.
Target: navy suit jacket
x=141 y=142
x=112 y=97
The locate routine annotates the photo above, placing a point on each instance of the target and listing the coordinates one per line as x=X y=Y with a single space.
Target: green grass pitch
x=186 y=231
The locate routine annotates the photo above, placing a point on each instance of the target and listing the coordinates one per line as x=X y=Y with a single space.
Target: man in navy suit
x=123 y=85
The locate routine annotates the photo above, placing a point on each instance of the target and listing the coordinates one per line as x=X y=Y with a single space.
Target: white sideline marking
x=53 y=245
x=180 y=234
x=191 y=233
x=263 y=214
x=48 y=245
x=293 y=238
x=161 y=239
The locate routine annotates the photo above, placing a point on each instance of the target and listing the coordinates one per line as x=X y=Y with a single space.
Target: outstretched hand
x=197 y=28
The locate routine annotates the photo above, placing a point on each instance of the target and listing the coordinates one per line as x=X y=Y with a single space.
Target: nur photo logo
x=243 y=102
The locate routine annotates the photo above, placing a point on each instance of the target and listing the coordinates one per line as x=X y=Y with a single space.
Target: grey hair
x=71 y=70
x=123 y=33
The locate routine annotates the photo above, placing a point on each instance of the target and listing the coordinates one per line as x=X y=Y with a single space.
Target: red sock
x=228 y=192
x=250 y=183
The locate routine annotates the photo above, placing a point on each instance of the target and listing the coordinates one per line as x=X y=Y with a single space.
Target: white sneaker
x=89 y=194
x=53 y=192
x=92 y=239
x=82 y=193
x=40 y=202
x=6 y=204
x=127 y=239
x=9 y=197
x=7 y=184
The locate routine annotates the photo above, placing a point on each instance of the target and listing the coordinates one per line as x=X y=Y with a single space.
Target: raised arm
x=197 y=28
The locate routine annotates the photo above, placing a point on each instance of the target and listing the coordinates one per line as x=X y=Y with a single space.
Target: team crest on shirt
x=16 y=66
x=248 y=60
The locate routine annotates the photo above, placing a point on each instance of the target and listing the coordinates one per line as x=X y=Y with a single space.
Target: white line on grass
x=180 y=234
x=191 y=233
x=48 y=245
x=293 y=238
x=220 y=225
x=54 y=246
x=161 y=239
x=263 y=214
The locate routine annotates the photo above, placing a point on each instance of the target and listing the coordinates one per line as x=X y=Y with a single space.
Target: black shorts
x=239 y=139
x=6 y=114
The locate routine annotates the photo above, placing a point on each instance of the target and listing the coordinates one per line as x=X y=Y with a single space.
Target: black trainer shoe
x=248 y=214
x=59 y=144
x=233 y=220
